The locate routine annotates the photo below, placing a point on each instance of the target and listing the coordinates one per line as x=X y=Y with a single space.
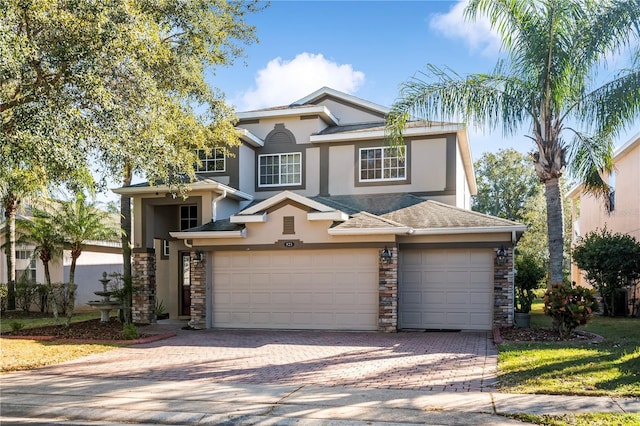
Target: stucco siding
x=247 y=172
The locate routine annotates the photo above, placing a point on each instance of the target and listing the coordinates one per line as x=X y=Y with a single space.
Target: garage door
x=446 y=289
x=304 y=289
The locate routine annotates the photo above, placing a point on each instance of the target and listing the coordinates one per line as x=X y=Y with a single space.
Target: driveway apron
x=434 y=361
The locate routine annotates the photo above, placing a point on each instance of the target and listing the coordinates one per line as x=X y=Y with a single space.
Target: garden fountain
x=105 y=305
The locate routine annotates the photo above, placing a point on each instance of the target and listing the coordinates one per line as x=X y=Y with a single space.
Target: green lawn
x=611 y=367
x=5 y=321
x=590 y=419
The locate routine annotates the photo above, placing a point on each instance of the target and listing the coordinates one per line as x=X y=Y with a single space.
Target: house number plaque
x=289 y=244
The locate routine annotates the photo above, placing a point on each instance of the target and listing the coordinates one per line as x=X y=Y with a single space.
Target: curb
x=148 y=339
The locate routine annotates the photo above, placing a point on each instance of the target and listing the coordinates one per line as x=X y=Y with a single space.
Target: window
x=380 y=164
x=32 y=270
x=188 y=217
x=24 y=254
x=280 y=169
x=214 y=161
x=611 y=204
x=165 y=248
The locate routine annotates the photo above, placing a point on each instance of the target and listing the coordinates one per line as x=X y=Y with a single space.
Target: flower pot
x=521 y=319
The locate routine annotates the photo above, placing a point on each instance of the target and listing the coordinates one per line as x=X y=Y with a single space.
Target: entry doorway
x=185 y=284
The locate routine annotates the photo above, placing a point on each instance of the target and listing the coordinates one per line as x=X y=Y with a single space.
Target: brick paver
x=424 y=361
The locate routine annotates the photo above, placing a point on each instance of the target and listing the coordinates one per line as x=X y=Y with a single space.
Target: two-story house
x=315 y=222
x=620 y=215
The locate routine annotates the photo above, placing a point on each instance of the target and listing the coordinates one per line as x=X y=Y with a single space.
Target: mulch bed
x=513 y=334
x=90 y=331
x=84 y=330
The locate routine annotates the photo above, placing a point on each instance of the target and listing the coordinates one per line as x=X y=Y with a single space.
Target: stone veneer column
x=144 y=286
x=503 y=291
x=388 y=293
x=198 y=291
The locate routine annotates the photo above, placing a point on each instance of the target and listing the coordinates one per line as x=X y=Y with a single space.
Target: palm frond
x=591 y=159
x=480 y=99
x=614 y=105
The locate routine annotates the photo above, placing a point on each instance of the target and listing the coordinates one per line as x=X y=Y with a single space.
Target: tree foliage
x=80 y=222
x=610 y=262
x=544 y=84
x=505 y=181
x=115 y=88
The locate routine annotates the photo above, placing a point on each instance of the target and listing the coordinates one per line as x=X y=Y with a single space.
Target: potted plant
x=529 y=273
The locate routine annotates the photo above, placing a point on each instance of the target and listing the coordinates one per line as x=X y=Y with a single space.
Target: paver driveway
x=424 y=361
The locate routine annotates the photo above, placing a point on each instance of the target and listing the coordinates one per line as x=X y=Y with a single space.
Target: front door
x=185 y=284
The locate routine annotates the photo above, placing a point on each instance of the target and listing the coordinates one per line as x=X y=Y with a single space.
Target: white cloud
x=282 y=82
x=477 y=34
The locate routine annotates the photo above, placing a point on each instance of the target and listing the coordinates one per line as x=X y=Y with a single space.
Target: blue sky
x=365 y=48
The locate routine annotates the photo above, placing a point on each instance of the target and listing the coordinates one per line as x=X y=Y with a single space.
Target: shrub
x=4 y=293
x=610 y=262
x=530 y=273
x=130 y=332
x=26 y=294
x=569 y=307
x=16 y=326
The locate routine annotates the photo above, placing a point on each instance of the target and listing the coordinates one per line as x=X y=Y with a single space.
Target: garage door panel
x=317 y=289
x=449 y=289
x=458 y=298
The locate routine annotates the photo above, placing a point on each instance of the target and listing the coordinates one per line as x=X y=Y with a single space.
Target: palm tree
x=81 y=222
x=41 y=231
x=546 y=84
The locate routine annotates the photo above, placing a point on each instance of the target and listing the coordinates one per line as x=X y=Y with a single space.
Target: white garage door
x=302 y=289
x=448 y=289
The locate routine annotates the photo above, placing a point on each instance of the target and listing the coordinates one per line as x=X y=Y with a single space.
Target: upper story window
x=188 y=217
x=611 y=205
x=213 y=161
x=280 y=169
x=382 y=164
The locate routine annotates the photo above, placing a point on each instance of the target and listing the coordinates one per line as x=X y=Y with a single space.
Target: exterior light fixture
x=386 y=256
x=198 y=258
x=501 y=255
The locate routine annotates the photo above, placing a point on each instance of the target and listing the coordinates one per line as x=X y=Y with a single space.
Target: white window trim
x=165 y=248
x=223 y=151
x=272 y=185
x=383 y=148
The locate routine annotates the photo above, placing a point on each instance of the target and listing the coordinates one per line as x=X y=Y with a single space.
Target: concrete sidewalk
x=33 y=395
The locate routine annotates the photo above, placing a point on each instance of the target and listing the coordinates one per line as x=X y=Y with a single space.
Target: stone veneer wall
x=388 y=293
x=198 y=291
x=503 y=291
x=144 y=286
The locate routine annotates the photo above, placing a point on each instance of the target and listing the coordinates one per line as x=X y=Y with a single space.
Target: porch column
x=144 y=286
x=198 y=290
x=388 y=292
x=503 y=296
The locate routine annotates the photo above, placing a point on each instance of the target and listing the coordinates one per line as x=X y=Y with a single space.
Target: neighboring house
x=96 y=258
x=314 y=222
x=621 y=214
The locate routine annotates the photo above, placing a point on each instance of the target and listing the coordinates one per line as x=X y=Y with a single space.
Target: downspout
x=214 y=204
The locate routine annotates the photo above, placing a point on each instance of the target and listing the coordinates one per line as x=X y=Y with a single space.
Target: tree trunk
x=71 y=301
x=555 y=231
x=10 y=212
x=125 y=224
x=52 y=297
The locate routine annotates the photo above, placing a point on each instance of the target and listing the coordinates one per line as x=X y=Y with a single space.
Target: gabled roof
x=325 y=91
x=433 y=217
x=380 y=214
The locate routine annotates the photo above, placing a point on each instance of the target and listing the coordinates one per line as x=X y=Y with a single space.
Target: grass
x=19 y=354
x=37 y=321
x=589 y=419
x=608 y=368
